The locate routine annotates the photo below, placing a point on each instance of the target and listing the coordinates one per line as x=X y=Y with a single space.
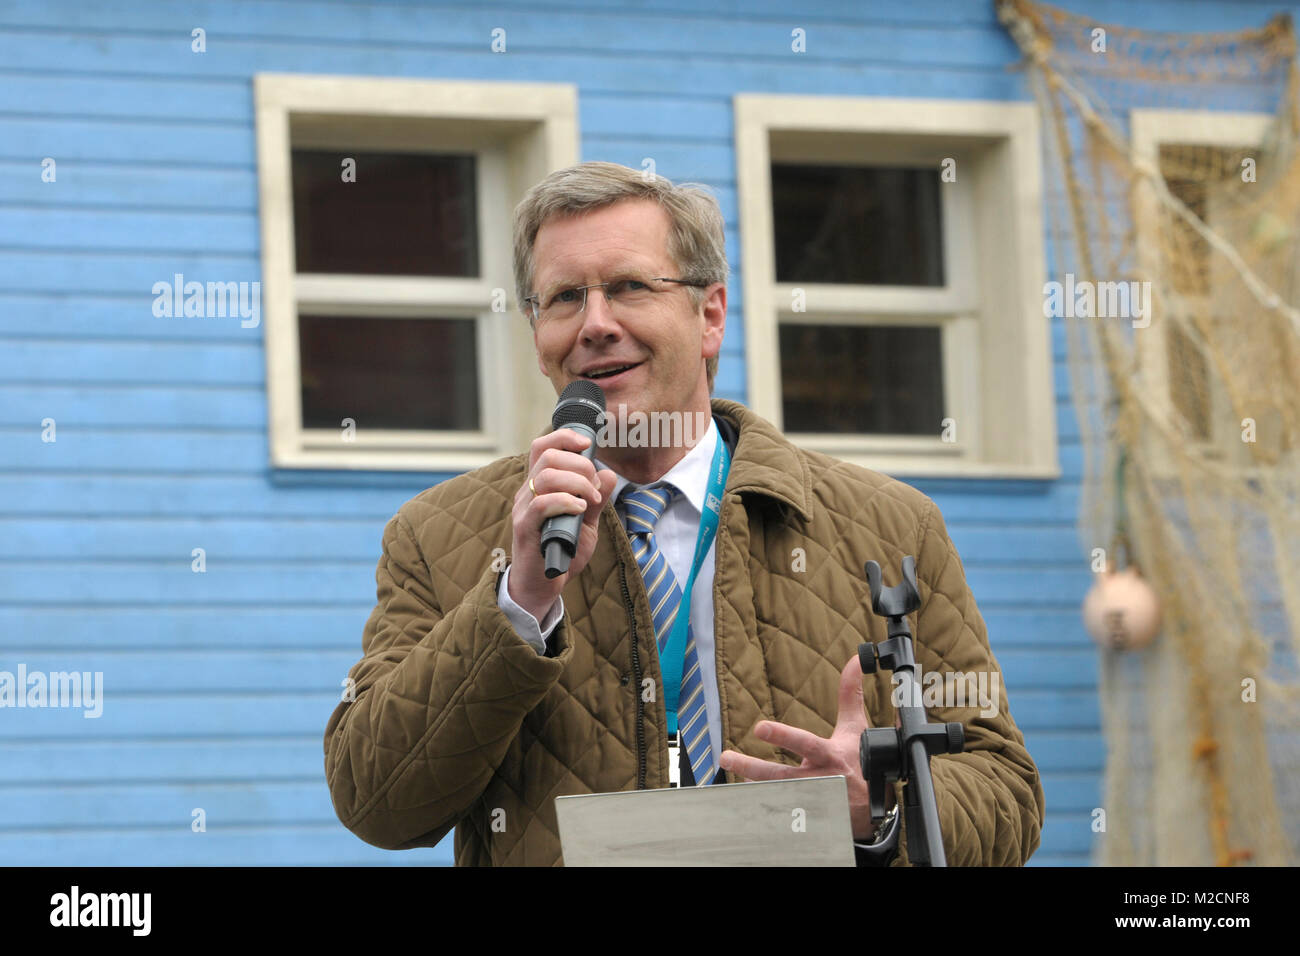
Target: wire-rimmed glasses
x=625 y=294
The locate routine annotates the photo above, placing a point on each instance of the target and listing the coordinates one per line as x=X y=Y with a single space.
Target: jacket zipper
x=636 y=679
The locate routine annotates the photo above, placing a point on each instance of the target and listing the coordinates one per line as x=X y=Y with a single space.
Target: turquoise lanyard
x=674 y=653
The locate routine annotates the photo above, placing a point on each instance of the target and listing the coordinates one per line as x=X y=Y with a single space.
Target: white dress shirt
x=675 y=533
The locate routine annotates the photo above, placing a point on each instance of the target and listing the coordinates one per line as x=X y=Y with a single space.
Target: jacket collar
x=763 y=460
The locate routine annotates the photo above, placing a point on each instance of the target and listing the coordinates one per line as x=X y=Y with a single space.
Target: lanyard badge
x=674 y=652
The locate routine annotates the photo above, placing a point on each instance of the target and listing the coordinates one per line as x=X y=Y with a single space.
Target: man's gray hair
x=696 y=242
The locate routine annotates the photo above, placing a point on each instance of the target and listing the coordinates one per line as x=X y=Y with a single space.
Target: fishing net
x=1173 y=191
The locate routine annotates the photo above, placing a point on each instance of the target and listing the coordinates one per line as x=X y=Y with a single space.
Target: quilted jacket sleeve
x=989 y=797
x=440 y=694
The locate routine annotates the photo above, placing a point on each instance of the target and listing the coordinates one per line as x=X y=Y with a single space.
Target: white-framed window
x=893 y=270
x=392 y=337
x=1199 y=286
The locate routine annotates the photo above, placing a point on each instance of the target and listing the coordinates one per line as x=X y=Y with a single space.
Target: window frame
x=518 y=133
x=999 y=217
x=1149 y=129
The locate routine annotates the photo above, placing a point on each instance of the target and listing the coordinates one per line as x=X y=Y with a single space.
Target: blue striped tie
x=642 y=508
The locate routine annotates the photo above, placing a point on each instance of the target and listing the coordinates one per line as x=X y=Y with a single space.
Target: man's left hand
x=822 y=757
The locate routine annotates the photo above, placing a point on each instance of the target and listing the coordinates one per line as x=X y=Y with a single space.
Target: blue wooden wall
x=218 y=685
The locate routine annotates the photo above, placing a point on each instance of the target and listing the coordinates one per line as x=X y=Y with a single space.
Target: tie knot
x=643 y=507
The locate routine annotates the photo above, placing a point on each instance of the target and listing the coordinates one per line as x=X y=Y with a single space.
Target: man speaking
x=706 y=628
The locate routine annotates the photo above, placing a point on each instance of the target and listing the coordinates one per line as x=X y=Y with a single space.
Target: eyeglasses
x=627 y=294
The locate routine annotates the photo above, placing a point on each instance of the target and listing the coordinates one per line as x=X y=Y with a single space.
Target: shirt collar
x=690 y=475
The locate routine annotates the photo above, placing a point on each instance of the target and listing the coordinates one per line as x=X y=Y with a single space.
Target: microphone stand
x=903 y=753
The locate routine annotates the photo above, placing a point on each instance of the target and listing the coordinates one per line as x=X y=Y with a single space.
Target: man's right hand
x=566 y=483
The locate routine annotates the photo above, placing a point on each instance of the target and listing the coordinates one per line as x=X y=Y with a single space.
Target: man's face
x=667 y=341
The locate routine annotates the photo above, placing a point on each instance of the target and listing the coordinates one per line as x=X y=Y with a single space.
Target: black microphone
x=581 y=407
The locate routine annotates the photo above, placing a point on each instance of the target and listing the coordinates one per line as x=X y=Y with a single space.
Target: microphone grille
x=581 y=403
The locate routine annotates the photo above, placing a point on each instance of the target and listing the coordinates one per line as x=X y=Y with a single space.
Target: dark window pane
x=863 y=225
x=389 y=373
x=1187 y=255
x=406 y=214
x=1206 y=179
x=1189 y=381
x=879 y=380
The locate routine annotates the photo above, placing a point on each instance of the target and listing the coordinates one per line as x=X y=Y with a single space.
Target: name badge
x=674 y=762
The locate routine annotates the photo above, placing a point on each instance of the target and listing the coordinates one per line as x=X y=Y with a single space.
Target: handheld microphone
x=580 y=407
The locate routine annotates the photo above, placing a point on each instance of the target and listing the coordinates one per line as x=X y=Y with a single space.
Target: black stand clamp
x=903 y=753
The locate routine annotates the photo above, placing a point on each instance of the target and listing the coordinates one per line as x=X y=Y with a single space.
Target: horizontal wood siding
x=218 y=685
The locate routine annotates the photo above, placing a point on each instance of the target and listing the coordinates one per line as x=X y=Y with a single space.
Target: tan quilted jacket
x=457 y=722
